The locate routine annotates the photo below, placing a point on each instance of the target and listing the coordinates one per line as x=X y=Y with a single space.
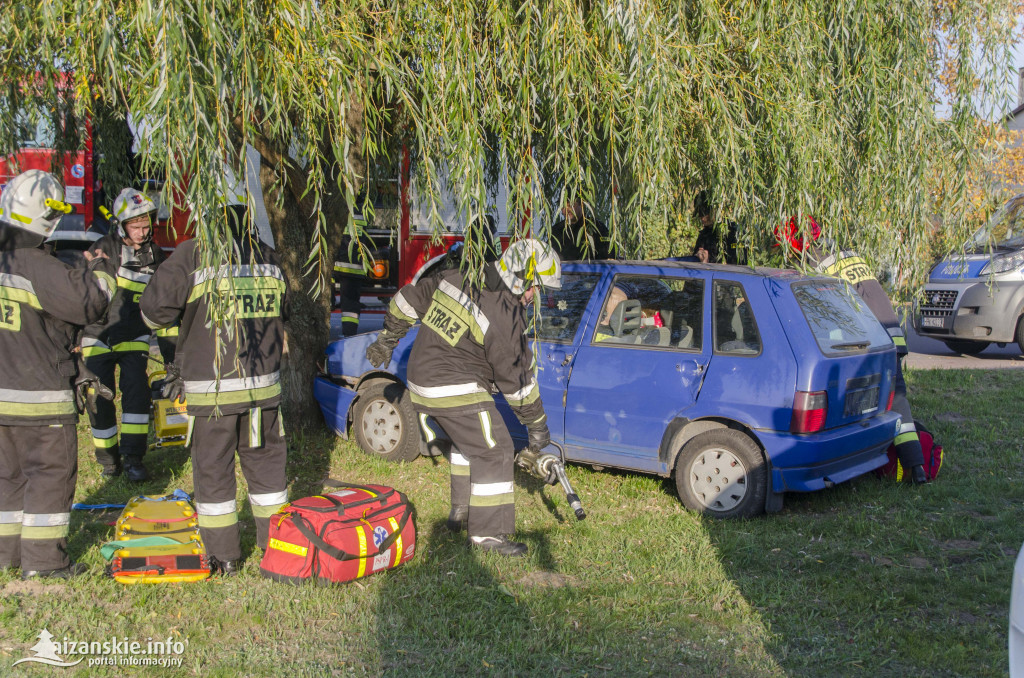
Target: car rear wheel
x=1018 y=336
x=721 y=473
x=966 y=346
x=384 y=422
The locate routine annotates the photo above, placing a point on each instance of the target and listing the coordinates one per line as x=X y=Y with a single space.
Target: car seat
x=625 y=321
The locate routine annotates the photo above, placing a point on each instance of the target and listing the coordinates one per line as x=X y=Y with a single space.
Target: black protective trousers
x=481 y=469
x=135 y=402
x=38 y=471
x=908 y=443
x=258 y=437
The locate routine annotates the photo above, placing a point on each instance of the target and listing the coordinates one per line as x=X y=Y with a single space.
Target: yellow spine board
x=159 y=516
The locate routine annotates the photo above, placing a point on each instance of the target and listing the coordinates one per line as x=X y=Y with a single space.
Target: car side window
x=557 y=313
x=735 y=328
x=659 y=312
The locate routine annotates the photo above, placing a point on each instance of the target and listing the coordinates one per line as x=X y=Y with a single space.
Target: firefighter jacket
x=122 y=329
x=232 y=330
x=471 y=339
x=848 y=265
x=43 y=304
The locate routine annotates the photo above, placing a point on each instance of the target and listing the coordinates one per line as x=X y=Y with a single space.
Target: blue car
x=741 y=384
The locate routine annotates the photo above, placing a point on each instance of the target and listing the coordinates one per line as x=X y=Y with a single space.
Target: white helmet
x=530 y=262
x=131 y=204
x=33 y=201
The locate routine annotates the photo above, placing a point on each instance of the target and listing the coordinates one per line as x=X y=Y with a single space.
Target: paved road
x=925 y=353
x=931 y=354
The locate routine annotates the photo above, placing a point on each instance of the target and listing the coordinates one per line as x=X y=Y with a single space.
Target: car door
x=638 y=367
x=557 y=321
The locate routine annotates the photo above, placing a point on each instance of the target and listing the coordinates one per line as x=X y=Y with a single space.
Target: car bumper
x=970 y=310
x=335 y=402
x=806 y=463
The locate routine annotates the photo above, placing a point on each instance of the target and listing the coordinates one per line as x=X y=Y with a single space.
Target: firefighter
x=43 y=304
x=475 y=334
x=230 y=341
x=122 y=339
x=848 y=265
x=348 y=279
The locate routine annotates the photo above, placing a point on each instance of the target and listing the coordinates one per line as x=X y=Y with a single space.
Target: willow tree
x=776 y=107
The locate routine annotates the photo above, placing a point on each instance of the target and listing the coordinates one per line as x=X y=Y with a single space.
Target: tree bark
x=293 y=221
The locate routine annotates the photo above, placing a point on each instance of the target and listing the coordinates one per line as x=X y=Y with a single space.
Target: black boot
x=111 y=470
x=918 y=476
x=458 y=518
x=501 y=545
x=134 y=469
x=72 y=570
x=225 y=568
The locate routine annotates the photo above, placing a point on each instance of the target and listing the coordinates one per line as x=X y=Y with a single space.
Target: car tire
x=721 y=473
x=384 y=423
x=965 y=346
x=1018 y=335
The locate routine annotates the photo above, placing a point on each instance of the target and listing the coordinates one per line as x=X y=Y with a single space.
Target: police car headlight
x=1003 y=263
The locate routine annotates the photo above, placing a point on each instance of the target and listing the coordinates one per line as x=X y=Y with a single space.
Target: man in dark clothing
x=474 y=336
x=709 y=248
x=851 y=267
x=577 y=236
x=122 y=339
x=43 y=304
x=229 y=349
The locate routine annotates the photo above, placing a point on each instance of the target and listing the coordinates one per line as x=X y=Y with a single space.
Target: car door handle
x=568 y=359
x=698 y=368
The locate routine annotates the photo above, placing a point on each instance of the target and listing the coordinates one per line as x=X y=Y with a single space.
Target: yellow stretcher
x=161 y=542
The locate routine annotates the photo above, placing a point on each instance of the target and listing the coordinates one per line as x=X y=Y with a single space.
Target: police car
x=739 y=384
x=975 y=297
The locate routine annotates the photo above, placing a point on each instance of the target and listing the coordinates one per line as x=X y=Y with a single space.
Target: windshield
x=1005 y=230
x=839 y=319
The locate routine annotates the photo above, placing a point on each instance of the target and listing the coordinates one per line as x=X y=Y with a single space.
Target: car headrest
x=625 y=318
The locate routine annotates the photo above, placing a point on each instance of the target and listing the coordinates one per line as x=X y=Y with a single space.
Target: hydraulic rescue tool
x=551 y=470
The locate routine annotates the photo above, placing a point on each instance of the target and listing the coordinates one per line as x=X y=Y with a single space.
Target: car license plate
x=861 y=402
x=931 y=322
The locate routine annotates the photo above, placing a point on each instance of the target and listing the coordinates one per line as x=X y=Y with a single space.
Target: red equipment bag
x=352 y=532
x=932 y=457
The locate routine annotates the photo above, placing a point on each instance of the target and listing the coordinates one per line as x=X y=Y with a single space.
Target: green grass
x=869 y=578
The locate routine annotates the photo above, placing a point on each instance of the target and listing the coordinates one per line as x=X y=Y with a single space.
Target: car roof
x=781 y=274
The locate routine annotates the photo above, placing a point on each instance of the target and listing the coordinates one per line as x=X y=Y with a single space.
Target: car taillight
x=892 y=396
x=809 y=410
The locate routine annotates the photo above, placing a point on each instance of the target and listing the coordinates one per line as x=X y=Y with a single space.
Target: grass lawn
x=867 y=579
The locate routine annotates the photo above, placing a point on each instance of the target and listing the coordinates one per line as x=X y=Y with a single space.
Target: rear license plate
x=931 y=322
x=861 y=402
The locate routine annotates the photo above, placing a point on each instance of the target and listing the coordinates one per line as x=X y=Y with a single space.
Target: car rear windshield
x=839 y=319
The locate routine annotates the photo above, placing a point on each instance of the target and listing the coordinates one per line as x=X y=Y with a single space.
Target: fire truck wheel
x=384 y=422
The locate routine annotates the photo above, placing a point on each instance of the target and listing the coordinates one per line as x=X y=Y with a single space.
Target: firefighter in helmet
x=43 y=304
x=122 y=339
x=474 y=335
x=848 y=265
x=230 y=342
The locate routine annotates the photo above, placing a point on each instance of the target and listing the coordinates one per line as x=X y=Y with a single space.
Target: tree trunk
x=308 y=328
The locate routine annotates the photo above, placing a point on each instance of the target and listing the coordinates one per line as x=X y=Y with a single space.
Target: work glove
x=174 y=385
x=379 y=352
x=539 y=436
x=88 y=388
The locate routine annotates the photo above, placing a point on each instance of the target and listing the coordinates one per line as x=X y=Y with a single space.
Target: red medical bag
x=352 y=532
x=932 y=458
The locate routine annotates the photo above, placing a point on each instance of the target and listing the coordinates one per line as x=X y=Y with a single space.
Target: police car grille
x=938 y=302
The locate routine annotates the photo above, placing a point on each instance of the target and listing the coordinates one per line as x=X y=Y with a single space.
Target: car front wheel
x=721 y=473
x=384 y=422
x=965 y=346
